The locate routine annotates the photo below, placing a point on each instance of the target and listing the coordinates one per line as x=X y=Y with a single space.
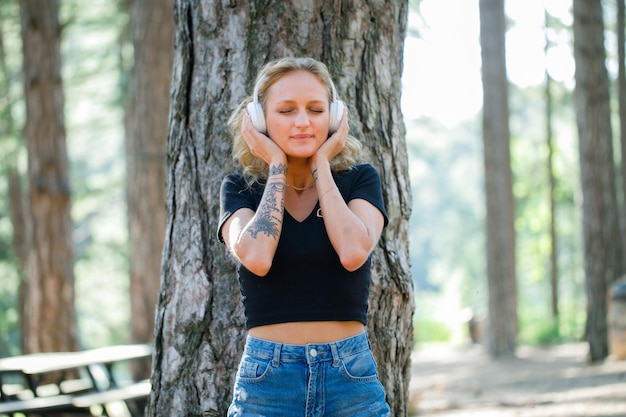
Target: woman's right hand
x=261 y=146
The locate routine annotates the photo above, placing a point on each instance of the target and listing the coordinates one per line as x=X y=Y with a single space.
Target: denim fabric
x=336 y=379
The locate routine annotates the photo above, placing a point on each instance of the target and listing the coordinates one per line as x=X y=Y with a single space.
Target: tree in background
x=602 y=239
x=218 y=49
x=621 y=89
x=554 y=265
x=48 y=317
x=502 y=287
x=152 y=31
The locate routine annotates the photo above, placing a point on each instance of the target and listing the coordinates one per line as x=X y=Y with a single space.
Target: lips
x=301 y=137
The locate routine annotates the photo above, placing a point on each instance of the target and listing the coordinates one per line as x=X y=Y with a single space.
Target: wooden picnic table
x=100 y=388
x=39 y=363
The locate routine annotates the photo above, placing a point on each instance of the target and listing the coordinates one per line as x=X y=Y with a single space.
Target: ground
x=541 y=382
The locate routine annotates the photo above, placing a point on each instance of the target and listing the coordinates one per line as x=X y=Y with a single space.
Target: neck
x=299 y=177
x=301 y=189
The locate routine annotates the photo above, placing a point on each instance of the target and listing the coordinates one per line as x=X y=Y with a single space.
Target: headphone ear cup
x=255 y=110
x=336 y=113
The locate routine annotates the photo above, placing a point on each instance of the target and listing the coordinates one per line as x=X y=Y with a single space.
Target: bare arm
x=253 y=236
x=353 y=228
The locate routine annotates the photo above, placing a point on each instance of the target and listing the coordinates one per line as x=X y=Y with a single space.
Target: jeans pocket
x=253 y=369
x=360 y=367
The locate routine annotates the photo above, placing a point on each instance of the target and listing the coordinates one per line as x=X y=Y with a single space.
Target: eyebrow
x=290 y=101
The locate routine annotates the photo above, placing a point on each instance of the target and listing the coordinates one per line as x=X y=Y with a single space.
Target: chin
x=299 y=156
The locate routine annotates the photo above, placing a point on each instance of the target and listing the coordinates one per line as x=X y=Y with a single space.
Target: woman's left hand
x=335 y=143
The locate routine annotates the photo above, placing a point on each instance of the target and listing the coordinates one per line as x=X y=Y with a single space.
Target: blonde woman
x=302 y=219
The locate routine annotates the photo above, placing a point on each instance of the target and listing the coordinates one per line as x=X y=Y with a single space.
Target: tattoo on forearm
x=314 y=173
x=269 y=214
x=278 y=169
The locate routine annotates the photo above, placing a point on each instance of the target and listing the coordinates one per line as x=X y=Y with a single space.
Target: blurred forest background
x=446 y=164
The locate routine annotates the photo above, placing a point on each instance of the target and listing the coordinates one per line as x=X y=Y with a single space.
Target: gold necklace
x=300 y=188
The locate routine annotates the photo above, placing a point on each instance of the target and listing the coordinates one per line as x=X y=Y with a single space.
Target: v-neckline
x=313 y=211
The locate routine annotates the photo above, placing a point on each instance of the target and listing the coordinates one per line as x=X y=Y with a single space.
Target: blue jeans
x=336 y=379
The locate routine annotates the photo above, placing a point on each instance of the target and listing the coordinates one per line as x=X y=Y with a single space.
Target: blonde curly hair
x=256 y=169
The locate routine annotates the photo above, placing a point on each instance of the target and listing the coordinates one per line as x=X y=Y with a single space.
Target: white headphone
x=257 y=116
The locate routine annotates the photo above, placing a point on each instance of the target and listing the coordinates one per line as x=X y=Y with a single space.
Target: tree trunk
x=152 y=30
x=554 y=265
x=218 y=50
x=21 y=234
x=49 y=316
x=621 y=88
x=502 y=329
x=603 y=248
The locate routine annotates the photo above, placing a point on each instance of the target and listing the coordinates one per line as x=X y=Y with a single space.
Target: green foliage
x=447 y=236
x=539 y=327
x=9 y=317
x=95 y=136
x=10 y=156
x=102 y=287
x=446 y=222
x=531 y=192
x=431 y=331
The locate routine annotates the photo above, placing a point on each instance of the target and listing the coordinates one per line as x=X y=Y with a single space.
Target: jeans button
x=313 y=352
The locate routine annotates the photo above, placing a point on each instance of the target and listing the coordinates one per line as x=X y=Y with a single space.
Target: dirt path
x=541 y=382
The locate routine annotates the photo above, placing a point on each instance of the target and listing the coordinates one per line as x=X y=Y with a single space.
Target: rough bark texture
x=49 y=319
x=621 y=88
x=219 y=47
x=602 y=240
x=502 y=329
x=152 y=31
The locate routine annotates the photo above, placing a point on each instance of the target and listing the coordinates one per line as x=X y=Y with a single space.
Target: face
x=297 y=113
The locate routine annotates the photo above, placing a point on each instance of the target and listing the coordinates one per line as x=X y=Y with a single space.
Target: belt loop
x=335 y=352
x=276 y=357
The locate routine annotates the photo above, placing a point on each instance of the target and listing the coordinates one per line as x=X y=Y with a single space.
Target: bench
x=109 y=400
x=38 y=405
x=118 y=401
x=135 y=391
x=73 y=395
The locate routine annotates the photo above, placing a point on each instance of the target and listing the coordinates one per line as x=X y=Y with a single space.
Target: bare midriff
x=301 y=333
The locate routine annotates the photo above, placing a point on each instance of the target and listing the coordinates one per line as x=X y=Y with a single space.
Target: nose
x=302 y=119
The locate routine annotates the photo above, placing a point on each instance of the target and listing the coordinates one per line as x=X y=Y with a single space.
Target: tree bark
x=502 y=328
x=621 y=88
x=49 y=318
x=152 y=31
x=219 y=47
x=603 y=245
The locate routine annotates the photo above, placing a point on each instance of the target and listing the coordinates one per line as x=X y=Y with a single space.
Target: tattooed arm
x=253 y=236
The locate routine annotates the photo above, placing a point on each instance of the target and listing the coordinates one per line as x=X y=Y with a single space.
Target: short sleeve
x=235 y=194
x=363 y=182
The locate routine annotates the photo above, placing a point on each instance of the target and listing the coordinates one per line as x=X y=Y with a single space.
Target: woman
x=302 y=220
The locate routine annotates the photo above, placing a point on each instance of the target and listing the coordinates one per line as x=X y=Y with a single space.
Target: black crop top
x=306 y=281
